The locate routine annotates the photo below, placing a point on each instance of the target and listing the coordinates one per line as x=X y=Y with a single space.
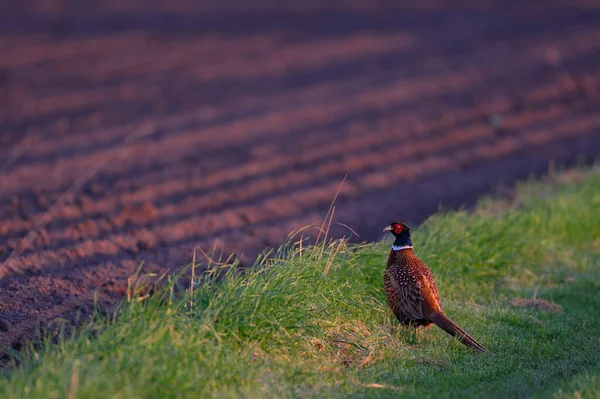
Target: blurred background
x=132 y=131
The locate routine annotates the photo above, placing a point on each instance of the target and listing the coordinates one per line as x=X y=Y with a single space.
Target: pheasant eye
x=398 y=228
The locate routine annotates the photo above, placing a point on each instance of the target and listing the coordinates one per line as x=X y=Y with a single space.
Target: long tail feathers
x=443 y=322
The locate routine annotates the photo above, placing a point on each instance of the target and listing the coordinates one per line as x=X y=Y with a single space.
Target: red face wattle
x=397 y=228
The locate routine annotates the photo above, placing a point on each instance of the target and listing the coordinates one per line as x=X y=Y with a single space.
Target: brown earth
x=131 y=133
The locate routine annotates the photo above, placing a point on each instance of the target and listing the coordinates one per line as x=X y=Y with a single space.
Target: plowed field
x=131 y=133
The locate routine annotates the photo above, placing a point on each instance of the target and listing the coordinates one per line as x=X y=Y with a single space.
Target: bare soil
x=131 y=133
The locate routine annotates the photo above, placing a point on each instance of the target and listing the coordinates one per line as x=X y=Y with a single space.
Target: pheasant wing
x=404 y=296
x=433 y=288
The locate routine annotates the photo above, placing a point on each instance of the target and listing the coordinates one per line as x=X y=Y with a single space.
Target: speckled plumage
x=411 y=291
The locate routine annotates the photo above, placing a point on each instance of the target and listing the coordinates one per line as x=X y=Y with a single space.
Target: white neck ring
x=398 y=248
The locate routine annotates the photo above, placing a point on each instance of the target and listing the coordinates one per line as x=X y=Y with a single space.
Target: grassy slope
x=284 y=330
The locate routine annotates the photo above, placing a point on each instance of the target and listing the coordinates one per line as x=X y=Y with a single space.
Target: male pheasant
x=411 y=291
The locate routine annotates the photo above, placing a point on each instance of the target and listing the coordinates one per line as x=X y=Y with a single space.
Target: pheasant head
x=401 y=231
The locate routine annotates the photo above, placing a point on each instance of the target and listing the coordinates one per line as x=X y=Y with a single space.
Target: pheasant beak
x=388 y=228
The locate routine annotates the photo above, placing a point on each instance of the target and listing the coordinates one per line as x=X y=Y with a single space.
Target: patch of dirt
x=382 y=386
x=537 y=304
x=134 y=134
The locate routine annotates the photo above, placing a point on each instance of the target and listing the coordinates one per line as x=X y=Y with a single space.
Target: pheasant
x=411 y=291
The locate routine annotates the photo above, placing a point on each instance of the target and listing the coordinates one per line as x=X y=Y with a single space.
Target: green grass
x=284 y=330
